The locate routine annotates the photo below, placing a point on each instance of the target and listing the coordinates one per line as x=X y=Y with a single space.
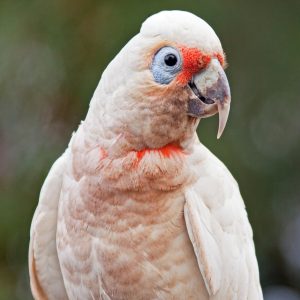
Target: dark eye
x=170 y=60
x=166 y=65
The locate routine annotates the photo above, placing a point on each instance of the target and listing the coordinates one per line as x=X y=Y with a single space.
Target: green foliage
x=52 y=54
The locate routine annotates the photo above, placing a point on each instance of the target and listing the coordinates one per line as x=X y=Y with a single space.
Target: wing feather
x=220 y=232
x=45 y=275
x=208 y=253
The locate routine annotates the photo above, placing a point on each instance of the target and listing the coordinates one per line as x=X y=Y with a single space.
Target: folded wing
x=45 y=275
x=220 y=232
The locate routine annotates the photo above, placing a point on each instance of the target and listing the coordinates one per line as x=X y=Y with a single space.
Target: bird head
x=168 y=77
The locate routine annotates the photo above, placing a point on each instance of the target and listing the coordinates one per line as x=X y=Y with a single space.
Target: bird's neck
x=130 y=169
x=166 y=152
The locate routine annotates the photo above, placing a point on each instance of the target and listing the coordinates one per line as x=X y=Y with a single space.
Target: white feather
x=45 y=274
x=220 y=232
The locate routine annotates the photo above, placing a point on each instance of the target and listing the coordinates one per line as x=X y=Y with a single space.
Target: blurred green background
x=52 y=54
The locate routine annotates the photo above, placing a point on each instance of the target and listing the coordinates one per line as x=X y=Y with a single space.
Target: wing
x=45 y=275
x=220 y=232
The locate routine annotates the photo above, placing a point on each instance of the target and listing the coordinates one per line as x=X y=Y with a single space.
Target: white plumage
x=137 y=207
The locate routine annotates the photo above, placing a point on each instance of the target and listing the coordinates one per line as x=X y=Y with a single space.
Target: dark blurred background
x=52 y=54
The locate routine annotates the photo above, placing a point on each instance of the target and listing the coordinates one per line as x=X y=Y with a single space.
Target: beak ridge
x=211 y=94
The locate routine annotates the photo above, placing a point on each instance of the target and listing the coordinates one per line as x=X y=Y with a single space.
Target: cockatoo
x=137 y=207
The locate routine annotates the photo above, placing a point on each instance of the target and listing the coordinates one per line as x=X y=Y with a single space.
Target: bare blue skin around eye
x=163 y=73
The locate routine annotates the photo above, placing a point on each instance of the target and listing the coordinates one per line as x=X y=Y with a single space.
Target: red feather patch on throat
x=166 y=151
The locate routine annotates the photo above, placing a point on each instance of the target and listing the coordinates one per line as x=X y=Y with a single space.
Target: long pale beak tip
x=223 y=109
x=219 y=134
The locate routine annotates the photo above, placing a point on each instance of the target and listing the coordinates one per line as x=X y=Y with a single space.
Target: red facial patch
x=193 y=61
x=220 y=58
x=165 y=151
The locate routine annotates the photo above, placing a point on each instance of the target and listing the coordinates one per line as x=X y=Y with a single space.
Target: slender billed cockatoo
x=137 y=207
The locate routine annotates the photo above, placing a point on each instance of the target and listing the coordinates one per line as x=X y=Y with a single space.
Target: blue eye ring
x=166 y=64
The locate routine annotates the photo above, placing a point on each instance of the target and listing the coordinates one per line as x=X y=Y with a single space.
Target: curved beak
x=211 y=94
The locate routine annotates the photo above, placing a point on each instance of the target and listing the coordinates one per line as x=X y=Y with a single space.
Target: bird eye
x=170 y=60
x=166 y=64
